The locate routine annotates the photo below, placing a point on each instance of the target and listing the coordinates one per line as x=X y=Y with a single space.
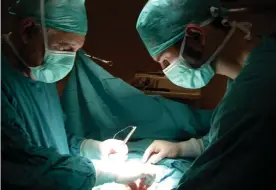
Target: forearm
x=43 y=168
x=191 y=148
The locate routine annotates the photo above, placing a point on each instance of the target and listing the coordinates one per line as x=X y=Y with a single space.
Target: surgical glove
x=124 y=173
x=159 y=150
x=93 y=149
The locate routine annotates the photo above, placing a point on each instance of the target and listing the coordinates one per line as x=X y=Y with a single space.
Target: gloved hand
x=93 y=149
x=122 y=172
x=159 y=150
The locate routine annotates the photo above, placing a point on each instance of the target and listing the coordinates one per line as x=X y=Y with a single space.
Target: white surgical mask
x=181 y=74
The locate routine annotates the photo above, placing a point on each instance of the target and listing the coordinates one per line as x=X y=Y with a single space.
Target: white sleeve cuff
x=90 y=149
x=191 y=148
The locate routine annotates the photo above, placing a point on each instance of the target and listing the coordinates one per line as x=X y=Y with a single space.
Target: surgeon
x=37 y=152
x=192 y=40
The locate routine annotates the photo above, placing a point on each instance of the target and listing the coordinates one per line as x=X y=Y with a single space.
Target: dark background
x=112 y=36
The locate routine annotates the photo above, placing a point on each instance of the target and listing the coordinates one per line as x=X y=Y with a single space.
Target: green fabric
x=36 y=150
x=64 y=15
x=162 y=22
x=240 y=155
x=98 y=105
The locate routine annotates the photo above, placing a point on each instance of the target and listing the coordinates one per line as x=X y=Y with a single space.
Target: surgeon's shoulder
x=256 y=83
x=252 y=90
x=263 y=55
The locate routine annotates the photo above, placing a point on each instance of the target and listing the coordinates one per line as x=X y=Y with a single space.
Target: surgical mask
x=181 y=74
x=56 y=64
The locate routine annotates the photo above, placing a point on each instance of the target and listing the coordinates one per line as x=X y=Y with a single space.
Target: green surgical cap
x=64 y=15
x=162 y=22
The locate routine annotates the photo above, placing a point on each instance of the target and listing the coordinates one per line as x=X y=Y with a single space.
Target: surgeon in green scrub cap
x=37 y=151
x=192 y=40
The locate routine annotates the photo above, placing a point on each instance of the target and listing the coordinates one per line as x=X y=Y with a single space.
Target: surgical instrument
x=109 y=63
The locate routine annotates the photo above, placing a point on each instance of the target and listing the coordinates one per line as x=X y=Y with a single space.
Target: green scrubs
x=241 y=140
x=37 y=153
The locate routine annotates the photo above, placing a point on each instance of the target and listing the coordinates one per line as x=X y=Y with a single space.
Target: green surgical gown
x=37 y=153
x=241 y=152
